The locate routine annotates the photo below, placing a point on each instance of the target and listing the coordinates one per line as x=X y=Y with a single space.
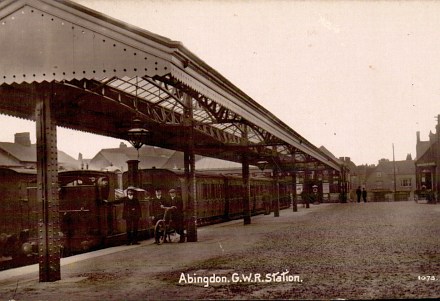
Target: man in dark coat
x=155 y=207
x=267 y=202
x=364 y=195
x=131 y=214
x=156 y=210
x=358 y=194
x=177 y=214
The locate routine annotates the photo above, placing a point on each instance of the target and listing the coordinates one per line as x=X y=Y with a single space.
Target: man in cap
x=156 y=208
x=131 y=214
x=177 y=216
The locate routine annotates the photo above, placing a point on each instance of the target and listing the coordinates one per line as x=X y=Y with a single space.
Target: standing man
x=177 y=214
x=156 y=210
x=364 y=195
x=131 y=214
x=156 y=202
x=266 y=202
x=358 y=194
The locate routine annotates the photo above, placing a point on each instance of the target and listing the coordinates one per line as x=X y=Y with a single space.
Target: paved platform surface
x=329 y=251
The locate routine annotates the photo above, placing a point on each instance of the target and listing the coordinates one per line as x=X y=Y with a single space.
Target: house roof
x=28 y=154
x=429 y=155
x=8 y=161
x=148 y=157
x=365 y=169
x=402 y=167
x=422 y=147
x=20 y=152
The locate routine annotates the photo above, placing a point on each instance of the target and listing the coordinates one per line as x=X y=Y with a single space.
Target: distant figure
x=364 y=195
x=305 y=197
x=266 y=202
x=358 y=194
x=131 y=214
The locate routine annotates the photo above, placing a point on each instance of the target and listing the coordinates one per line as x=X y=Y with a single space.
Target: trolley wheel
x=160 y=232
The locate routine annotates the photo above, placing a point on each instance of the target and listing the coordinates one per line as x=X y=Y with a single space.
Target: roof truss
x=103 y=73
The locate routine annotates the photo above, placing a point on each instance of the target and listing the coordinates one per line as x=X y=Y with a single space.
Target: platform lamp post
x=137 y=136
x=262 y=164
x=267 y=195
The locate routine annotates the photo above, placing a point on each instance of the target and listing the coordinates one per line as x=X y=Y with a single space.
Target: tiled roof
x=402 y=167
x=21 y=152
x=422 y=147
x=28 y=154
x=149 y=157
x=6 y=160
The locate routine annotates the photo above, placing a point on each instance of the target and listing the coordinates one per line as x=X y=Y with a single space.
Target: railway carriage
x=18 y=215
x=219 y=197
x=89 y=213
x=90 y=207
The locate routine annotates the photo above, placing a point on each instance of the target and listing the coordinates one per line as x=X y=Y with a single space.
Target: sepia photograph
x=219 y=150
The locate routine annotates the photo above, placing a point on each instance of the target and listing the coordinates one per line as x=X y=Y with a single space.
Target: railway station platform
x=327 y=251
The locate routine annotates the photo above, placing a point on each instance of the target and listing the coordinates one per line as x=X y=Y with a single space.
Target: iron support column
x=306 y=187
x=190 y=174
x=294 y=204
x=276 y=212
x=47 y=192
x=246 y=185
x=276 y=173
x=246 y=189
x=437 y=162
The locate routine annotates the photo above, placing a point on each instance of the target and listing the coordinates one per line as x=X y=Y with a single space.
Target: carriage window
x=212 y=191
x=205 y=191
x=220 y=191
x=215 y=190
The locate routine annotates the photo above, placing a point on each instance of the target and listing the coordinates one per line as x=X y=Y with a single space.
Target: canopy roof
x=100 y=73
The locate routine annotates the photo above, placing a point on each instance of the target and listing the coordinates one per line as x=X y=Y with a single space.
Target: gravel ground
x=338 y=251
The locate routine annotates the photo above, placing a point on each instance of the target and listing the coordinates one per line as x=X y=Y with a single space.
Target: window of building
x=405 y=182
x=379 y=184
x=379 y=174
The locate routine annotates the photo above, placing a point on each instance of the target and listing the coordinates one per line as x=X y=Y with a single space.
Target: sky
x=354 y=76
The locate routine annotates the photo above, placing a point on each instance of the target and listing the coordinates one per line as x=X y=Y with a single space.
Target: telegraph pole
x=394 y=171
x=437 y=160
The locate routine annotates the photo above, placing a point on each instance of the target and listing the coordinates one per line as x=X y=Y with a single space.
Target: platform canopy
x=100 y=74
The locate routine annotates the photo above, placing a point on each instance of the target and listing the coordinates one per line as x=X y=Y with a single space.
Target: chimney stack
x=23 y=138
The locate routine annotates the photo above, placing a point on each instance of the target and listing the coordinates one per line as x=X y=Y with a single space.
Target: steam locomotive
x=90 y=209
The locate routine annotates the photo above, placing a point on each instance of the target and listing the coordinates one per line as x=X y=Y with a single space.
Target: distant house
x=153 y=157
x=21 y=153
x=391 y=180
x=350 y=176
x=428 y=161
x=345 y=178
x=359 y=177
x=148 y=156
